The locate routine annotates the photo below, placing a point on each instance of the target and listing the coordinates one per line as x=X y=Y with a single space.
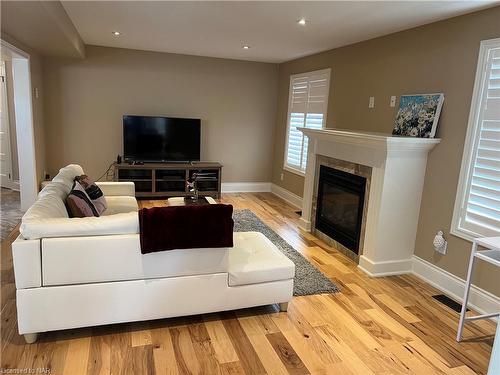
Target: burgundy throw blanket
x=186 y=227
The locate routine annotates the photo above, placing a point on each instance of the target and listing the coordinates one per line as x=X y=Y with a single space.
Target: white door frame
x=23 y=103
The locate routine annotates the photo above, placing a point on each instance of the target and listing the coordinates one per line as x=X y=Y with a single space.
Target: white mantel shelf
x=372 y=139
x=398 y=171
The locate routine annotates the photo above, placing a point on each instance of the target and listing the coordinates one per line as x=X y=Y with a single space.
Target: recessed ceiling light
x=116 y=33
x=246 y=47
x=302 y=21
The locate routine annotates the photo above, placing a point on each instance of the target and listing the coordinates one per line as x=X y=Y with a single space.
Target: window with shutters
x=307 y=106
x=477 y=207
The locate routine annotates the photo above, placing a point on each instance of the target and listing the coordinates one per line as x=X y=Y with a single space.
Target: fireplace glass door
x=340 y=206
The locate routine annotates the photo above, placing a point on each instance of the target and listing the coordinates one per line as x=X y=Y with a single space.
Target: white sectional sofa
x=78 y=272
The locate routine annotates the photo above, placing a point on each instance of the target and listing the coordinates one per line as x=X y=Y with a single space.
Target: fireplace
x=394 y=169
x=340 y=203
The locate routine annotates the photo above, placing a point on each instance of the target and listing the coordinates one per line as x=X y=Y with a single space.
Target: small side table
x=186 y=201
x=490 y=255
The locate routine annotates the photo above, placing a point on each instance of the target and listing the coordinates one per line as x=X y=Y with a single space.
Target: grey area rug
x=308 y=279
x=10 y=211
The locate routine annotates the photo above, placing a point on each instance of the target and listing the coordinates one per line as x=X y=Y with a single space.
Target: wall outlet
x=393 y=101
x=282 y=176
x=37 y=95
x=371 y=102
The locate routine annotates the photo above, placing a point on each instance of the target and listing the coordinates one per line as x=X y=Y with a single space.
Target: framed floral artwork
x=418 y=115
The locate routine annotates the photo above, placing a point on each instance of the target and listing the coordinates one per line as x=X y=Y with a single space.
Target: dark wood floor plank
x=232 y=368
x=100 y=354
x=249 y=359
x=139 y=360
x=187 y=362
x=290 y=359
x=206 y=357
x=120 y=342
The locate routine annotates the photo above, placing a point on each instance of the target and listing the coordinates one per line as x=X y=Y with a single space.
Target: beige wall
x=86 y=99
x=439 y=57
x=38 y=116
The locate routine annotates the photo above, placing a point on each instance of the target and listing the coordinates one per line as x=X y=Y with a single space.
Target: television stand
x=156 y=180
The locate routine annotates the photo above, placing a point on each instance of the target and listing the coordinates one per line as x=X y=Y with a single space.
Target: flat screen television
x=161 y=139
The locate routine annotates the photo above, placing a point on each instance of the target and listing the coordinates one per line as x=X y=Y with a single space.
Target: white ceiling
x=220 y=29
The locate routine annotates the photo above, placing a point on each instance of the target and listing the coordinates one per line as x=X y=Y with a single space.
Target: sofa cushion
x=79 y=203
x=118 y=258
x=94 y=192
x=125 y=223
x=255 y=259
x=67 y=175
x=120 y=204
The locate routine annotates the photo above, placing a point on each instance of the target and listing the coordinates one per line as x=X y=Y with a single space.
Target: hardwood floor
x=388 y=325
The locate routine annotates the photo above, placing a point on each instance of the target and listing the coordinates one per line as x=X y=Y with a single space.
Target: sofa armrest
x=123 y=223
x=117 y=188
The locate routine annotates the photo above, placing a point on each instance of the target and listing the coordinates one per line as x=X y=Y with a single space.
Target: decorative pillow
x=94 y=192
x=79 y=204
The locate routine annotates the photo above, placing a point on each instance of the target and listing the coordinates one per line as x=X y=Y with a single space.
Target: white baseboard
x=388 y=268
x=479 y=299
x=246 y=187
x=287 y=195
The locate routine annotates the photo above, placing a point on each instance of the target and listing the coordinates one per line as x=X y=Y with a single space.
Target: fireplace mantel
x=398 y=170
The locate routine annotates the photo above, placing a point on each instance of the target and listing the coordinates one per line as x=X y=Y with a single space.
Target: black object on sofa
x=186 y=227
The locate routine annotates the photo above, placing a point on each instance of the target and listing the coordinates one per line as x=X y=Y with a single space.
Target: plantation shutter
x=307 y=107
x=480 y=211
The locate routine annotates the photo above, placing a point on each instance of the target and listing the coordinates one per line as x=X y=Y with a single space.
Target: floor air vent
x=445 y=300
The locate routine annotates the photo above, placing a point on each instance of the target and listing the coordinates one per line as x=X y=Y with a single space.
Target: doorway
x=18 y=156
x=9 y=170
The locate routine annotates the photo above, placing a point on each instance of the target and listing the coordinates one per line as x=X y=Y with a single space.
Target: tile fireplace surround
x=396 y=170
x=345 y=166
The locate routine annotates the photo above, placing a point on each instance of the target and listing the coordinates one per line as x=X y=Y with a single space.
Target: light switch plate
x=393 y=101
x=371 y=102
